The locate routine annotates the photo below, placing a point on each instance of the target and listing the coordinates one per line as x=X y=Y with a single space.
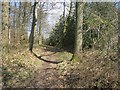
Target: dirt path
x=46 y=76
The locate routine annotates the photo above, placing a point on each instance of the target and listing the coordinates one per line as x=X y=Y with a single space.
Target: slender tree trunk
x=0 y=23
x=39 y=26
x=9 y=32
x=70 y=11
x=23 y=36
x=14 y=21
x=60 y=44
x=28 y=15
x=1 y=85
x=119 y=35
x=31 y=38
x=5 y=26
x=118 y=53
x=19 y=24
x=12 y=25
x=65 y=21
x=40 y=35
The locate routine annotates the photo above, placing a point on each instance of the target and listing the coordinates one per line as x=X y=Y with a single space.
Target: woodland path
x=47 y=75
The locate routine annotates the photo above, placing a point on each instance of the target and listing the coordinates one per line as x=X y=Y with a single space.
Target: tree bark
x=39 y=26
x=78 y=31
x=1 y=75
x=31 y=38
x=118 y=34
x=64 y=18
x=5 y=26
x=79 y=28
x=23 y=37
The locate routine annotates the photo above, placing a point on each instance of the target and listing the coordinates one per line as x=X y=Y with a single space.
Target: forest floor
x=48 y=67
x=47 y=75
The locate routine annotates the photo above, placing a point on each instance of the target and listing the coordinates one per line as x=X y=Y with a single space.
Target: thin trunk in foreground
x=31 y=38
x=5 y=26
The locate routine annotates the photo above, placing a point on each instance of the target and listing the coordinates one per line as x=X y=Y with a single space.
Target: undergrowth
x=93 y=70
x=17 y=67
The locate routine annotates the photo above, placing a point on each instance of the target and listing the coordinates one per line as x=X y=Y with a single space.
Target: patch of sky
x=118 y=5
x=54 y=16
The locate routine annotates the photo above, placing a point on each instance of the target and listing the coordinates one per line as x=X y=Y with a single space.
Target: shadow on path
x=52 y=48
x=48 y=61
x=49 y=54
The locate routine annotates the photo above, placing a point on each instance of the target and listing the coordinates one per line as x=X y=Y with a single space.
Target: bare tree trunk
x=12 y=24
x=9 y=32
x=23 y=37
x=40 y=35
x=65 y=21
x=79 y=27
x=19 y=24
x=31 y=38
x=14 y=21
x=78 y=31
x=60 y=44
x=5 y=26
x=1 y=85
x=39 y=26
x=70 y=11
x=118 y=34
x=28 y=15
x=118 y=53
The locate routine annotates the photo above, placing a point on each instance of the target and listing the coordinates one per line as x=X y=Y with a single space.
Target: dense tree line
x=88 y=25
x=91 y=25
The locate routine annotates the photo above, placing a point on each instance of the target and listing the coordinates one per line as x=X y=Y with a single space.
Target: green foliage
x=56 y=34
x=98 y=30
x=59 y=37
x=69 y=37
